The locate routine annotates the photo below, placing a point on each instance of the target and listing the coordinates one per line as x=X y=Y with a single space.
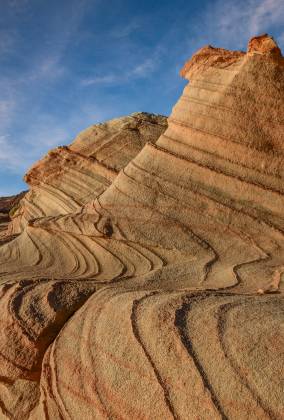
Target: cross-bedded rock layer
x=70 y=176
x=162 y=297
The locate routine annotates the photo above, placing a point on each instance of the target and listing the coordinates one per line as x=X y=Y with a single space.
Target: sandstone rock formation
x=8 y=206
x=70 y=176
x=163 y=297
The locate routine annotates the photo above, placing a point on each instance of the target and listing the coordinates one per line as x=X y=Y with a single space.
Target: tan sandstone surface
x=161 y=297
x=70 y=176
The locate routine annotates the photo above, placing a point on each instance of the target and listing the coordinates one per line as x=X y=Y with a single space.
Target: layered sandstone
x=163 y=297
x=8 y=206
x=70 y=176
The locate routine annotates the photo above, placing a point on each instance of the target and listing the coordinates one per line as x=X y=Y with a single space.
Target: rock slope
x=70 y=176
x=162 y=298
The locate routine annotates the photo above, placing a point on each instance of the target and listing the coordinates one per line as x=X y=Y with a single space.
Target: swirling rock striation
x=70 y=176
x=163 y=296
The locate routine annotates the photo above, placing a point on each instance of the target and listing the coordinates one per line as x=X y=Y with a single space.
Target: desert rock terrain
x=151 y=285
x=70 y=176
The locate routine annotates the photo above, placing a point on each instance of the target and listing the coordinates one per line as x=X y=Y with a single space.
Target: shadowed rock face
x=172 y=275
x=8 y=206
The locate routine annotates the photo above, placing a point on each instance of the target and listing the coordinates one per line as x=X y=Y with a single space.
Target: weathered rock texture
x=70 y=176
x=8 y=206
x=181 y=259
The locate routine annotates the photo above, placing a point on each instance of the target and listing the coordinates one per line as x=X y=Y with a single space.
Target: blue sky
x=67 y=64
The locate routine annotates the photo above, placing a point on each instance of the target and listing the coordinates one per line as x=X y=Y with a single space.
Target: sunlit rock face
x=70 y=176
x=163 y=296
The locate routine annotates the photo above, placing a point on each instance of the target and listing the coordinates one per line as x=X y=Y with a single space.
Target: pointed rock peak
x=248 y=87
x=264 y=44
x=209 y=56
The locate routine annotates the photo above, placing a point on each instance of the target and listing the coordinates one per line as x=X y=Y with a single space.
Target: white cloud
x=139 y=71
x=145 y=68
x=10 y=155
x=266 y=13
x=6 y=112
x=19 y=152
x=98 y=80
x=16 y=156
x=126 y=30
x=238 y=21
x=48 y=68
x=24 y=138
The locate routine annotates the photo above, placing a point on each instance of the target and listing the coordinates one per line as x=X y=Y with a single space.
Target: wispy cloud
x=236 y=22
x=47 y=68
x=146 y=68
x=10 y=155
x=108 y=79
x=41 y=136
x=141 y=70
x=264 y=14
x=28 y=129
x=255 y=17
x=7 y=107
x=124 y=31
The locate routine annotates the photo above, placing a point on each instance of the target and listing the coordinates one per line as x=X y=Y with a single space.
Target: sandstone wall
x=163 y=297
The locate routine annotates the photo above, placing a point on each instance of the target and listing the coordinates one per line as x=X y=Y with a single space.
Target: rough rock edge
x=218 y=57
